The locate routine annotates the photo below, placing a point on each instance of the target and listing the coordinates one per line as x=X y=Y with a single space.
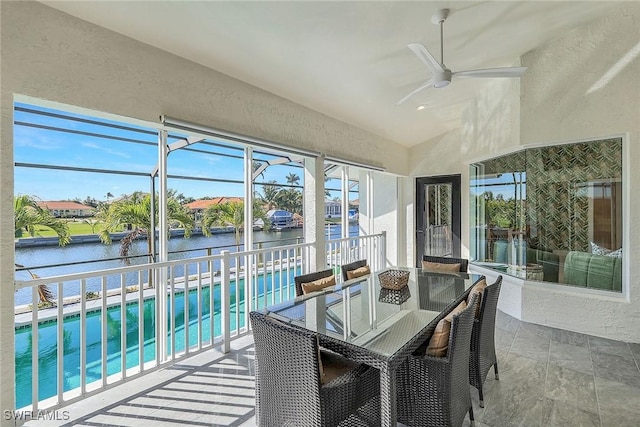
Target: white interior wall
x=594 y=93
x=314 y=202
x=385 y=215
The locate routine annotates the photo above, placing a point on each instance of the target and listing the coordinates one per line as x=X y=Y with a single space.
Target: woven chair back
x=464 y=263
x=287 y=373
x=483 y=339
x=310 y=277
x=350 y=267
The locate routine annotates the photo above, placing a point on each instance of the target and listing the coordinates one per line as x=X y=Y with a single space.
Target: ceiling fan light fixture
x=442 y=78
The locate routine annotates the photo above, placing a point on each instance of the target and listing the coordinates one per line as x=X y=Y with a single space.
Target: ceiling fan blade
x=493 y=72
x=426 y=57
x=422 y=87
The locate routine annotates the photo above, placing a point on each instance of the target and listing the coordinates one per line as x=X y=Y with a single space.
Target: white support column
x=163 y=251
x=314 y=211
x=248 y=232
x=248 y=199
x=163 y=221
x=366 y=203
x=345 y=200
x=225 y=303
x=370 y=204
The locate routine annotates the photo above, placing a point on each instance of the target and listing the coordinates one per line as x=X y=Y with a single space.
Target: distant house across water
x=280 y=218
x=62 y=209
x=332 y=209
x=197 y=207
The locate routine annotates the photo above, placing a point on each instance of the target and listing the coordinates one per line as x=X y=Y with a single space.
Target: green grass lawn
x=75 y=228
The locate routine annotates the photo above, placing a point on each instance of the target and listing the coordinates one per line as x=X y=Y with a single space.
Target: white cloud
x=105 y=149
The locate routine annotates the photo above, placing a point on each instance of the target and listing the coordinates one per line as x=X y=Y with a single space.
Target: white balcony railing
x=89 y=342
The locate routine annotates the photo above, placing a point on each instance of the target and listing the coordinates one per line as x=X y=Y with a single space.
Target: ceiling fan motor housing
x=442 y=78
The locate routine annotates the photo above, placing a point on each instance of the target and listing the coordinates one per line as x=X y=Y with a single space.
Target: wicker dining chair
x=483 y=349
x=464 y=263
x=310 y=277
x=434 y=391
x=350 y=267
x=290 y=390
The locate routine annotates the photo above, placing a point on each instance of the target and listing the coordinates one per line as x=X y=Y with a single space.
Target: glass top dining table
x=374 y=325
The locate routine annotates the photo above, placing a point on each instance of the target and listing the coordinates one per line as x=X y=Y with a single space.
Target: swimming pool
x=48 y=345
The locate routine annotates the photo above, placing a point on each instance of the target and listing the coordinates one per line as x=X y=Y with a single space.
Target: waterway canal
x=43 y=260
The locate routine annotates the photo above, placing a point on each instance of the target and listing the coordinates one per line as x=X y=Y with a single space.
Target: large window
x=83 y=170
x=551 y=214
x=334 y=204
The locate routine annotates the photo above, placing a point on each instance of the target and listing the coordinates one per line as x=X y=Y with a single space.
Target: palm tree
x=293 y=179
x=28 y=216
x=270 y=194
x=230 y=214
x=290 y=200
x=92 y=223
x=44 y=293
x=134 y=212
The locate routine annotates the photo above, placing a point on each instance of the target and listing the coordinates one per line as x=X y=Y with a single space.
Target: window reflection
x=551 y=213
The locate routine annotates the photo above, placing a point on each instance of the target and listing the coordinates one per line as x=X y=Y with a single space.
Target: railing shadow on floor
x=216 y=392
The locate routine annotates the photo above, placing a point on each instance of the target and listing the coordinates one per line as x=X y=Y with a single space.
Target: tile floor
x=548 y=377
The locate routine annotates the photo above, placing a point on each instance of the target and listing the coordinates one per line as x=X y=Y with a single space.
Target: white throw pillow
x=599 y=250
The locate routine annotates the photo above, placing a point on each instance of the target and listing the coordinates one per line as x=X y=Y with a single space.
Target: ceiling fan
x=441 y=74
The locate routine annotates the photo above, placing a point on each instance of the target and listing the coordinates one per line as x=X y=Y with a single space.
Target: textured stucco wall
x=7 y=351
x=490 y=126
x=385 y=212
x=581 y=86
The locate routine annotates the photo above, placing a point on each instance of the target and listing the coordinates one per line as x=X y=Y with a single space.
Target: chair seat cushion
x=439 y=341
x=358 y=272
x=441 y=267
x=319 y=284
x=334 y=366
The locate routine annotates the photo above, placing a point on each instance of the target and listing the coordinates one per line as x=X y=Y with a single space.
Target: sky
x=507 y=185
x=123 y=150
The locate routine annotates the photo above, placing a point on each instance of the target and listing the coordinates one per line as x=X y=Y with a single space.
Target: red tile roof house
x=198 y=206
x=67 y=209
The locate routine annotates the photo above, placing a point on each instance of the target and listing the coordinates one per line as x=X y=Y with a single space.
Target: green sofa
x=593 y=271
x=549 y=261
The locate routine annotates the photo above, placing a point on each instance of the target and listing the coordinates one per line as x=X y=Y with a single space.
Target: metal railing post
x=35 y=356
x=383 y=249
x=225 y=304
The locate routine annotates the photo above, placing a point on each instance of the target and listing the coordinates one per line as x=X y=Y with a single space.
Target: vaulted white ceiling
x=348 y=60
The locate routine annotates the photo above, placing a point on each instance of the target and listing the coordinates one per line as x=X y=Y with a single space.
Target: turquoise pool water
x=48 y=342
